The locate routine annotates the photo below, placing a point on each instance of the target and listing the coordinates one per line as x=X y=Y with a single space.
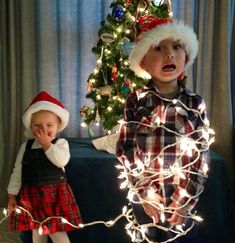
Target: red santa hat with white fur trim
x=44 y=101
x=159 y=30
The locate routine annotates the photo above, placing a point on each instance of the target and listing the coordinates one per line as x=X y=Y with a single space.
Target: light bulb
x=64 y=221
x=5 y=211
x=18 y=210
x=83 y=124
x=163 y=217
x=40 y=231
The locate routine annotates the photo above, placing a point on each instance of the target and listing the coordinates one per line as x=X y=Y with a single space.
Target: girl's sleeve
x=59 y=153
x=15 y=179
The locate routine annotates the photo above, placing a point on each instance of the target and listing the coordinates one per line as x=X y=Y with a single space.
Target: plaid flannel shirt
x=140 y=141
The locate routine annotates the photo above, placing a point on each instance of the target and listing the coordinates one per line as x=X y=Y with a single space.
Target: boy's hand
x=175 y=218
x=44 y=138
x=150 y=210
x=12 y=204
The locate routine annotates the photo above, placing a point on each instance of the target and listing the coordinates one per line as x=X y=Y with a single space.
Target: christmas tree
x=112 y=80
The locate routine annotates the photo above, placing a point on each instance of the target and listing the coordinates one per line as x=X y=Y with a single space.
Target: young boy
x=164 y=139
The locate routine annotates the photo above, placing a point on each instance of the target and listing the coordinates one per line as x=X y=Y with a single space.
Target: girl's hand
x=44 y=138
x=12 y=204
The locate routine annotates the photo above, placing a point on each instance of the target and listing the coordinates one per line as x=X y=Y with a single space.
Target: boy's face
x=165 y=62
x=45 y=121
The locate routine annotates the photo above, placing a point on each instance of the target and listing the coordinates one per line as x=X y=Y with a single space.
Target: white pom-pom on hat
x=175 y=31
x=44 y=101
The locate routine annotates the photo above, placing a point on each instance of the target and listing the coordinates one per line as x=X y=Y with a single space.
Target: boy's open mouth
x=169 y=67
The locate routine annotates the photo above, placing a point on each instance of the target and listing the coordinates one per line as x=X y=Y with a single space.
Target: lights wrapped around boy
x=164 y=137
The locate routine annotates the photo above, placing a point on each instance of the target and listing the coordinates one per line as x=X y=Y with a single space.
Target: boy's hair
x=175 y=31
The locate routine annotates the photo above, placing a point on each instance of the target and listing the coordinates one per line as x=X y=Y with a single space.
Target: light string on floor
x=125 y=213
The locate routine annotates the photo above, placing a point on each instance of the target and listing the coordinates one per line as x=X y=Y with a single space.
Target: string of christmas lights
x=138 y=176
x=125 y=213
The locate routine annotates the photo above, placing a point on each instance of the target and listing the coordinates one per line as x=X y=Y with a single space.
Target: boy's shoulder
x=186 y=95
x=191 y=94
x=139 y=93
x=144 y=89
x=192 y=100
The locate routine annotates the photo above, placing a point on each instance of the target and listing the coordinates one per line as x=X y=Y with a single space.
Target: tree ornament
x=157 y=2
x=106 y=90
x=113 y=92
x=129 y=2
x=91 y=132
x=126 y=46
x=90 y=85
x=118 y=12
x=126 y=86
x=127 y=83
x=84 y=110
x=114 y=72
x=97 y=116
x=125 y=89
x=129 y=17
x=107 y=38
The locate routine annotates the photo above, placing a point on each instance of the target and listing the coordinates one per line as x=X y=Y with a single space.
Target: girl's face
x=165 y=62
x=45 y=121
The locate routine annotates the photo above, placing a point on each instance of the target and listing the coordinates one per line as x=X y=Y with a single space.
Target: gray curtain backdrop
x=46 y=45
x=214 y=71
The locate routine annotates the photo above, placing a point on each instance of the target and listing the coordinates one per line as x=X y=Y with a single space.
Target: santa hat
x=160 y=30
x=44 y=101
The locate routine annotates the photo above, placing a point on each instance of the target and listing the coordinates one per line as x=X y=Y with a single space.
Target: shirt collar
x=182 y=89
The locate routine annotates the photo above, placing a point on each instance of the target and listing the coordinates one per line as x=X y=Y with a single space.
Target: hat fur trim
x=62 y=113
x=175 y=31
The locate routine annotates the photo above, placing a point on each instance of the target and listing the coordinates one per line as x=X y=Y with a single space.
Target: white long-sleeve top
x=58 y=154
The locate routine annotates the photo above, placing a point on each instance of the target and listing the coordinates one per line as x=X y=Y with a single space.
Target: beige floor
x=5 y=235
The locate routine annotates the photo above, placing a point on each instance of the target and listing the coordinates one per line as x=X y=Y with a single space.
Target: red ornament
x=127 y=83
x=129 y=2
x=114 y=72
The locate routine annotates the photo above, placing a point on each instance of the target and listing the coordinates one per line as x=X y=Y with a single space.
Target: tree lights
x=116 y=37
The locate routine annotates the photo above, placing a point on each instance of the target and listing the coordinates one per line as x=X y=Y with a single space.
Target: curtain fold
x=232 y=58
x=11 y=90
x=214 y=68
x=45 y=45
x=187 y=11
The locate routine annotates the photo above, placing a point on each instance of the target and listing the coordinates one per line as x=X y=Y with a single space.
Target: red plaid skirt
x=43 y=202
